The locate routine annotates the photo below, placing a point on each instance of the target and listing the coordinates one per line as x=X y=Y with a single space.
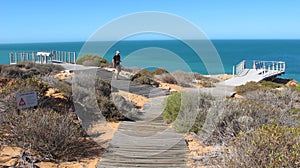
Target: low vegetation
x=253 y=86
x=298 y=88
x=144 y=77
x=28 y=70
x=52 y=131
x=92 y=60
x=186 y=111
x=268 y=146
x=260 y=130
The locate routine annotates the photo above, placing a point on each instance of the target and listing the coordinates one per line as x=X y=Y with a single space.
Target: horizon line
x=79 y=41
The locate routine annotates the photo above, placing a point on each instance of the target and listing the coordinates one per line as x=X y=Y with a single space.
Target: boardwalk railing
x=265 y=68
x=43 y=57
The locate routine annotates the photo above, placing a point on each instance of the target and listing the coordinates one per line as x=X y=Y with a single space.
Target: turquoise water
x=174 y=54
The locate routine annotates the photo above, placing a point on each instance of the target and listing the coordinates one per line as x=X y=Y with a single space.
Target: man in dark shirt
x=117 y=64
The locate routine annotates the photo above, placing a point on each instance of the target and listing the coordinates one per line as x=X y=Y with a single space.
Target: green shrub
x=91 y=60
x=298 y=88
x=171 y=107
x=253 y=86
x=269 y=146
x=187 y=110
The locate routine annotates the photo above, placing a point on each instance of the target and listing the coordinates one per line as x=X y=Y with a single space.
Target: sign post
x=26 y=100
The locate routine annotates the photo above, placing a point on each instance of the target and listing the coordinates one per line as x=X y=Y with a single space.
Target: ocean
x=177 y=55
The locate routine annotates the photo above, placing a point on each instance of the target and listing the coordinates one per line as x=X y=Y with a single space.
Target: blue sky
x=71 y=20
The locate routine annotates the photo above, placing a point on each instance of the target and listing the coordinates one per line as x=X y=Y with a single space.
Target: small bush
x=193 y=112
x=187 y=110
x=45 y=132
x=141 y=73
x=91 y=60
x=184 y=79
x=171 y=107
x=144 y=77
x=159 y=71
x=298 y=88
x=269 y=146
x=166 y=78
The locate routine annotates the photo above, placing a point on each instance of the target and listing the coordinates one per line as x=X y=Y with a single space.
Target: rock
x=292 y=83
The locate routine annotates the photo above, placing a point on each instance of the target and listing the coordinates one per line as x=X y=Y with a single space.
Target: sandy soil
x=137 y=100
x=197 y=151
x=64 y=74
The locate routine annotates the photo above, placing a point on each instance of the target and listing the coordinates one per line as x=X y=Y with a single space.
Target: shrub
x=269 y=146
x=29 y=70
x=166 y=78
x=45 y=132
x=144 y=77
x=253 y=86
x=193 y=111
x=187 y=110
x=171 y=107
x=141 y=73
x=298 y=88
x=184 y=79
x=159 y=71
x=9 y=93
x=91 y=60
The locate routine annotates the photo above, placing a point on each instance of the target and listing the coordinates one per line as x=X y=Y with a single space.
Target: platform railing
x=55 y=56
x=262 y=67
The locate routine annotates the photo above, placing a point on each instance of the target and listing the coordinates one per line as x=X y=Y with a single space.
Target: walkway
x=123 y=83
x=147 y=142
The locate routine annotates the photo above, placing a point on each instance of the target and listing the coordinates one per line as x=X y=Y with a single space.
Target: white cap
x=117 y=52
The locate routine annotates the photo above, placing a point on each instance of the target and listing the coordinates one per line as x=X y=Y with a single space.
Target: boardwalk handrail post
x=233 y=70
x=10 y=58
x=74 y=57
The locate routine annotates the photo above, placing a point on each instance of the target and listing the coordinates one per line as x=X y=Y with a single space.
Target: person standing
x=117 y=64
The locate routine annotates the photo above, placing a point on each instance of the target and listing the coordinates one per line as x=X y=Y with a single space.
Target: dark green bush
x=91 y=60
x=270 y=146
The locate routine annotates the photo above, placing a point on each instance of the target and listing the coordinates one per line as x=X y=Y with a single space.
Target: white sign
x=26 y=100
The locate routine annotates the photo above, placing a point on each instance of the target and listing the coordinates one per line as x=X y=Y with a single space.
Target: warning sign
x=26 y=100
x=22 y=102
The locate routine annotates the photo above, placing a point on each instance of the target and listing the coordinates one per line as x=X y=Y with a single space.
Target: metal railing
x=55 y=56
x=265 y=68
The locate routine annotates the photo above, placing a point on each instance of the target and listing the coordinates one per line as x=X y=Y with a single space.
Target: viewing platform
x=248 y=71
x=43 y=57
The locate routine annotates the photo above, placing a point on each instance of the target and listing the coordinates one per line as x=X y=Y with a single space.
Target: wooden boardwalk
x=146 y=143
x=255 y=71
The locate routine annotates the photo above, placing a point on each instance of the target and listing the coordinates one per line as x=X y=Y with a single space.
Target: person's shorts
x=118 y=68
